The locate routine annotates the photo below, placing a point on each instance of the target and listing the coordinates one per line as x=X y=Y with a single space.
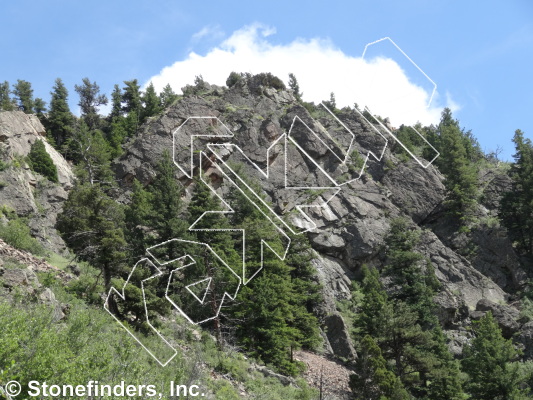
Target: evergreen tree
x=516 y=209
x=41 y=162
x=167 y=96
x=91 y=224
x=295 y=87
x=152 y=103
x=121 y=128
x=374 y=302
x=91 y=153
x=460 y=172
x=271 y=317
x=374 y=381
x=138 y=217
x=39 y=109
x=168 y=219
x=132 y=97
x=488 y=362
x=90 y=101
x=60 y=121
x=412 y=275
x=6 y=103
x=24 y=95
x=116 y=103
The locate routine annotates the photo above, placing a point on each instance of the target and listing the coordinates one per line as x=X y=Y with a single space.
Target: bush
x=41 y=162
x=233 y=78
x=17 y=234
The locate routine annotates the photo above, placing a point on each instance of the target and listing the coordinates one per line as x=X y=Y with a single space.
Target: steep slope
x=350 y=229
x=22 y=190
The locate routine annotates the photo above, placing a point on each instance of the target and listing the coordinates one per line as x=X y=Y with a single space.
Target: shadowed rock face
x=350 y=229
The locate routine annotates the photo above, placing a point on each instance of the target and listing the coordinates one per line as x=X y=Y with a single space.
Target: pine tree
x=91 y=224
x=152 y=103
x=138 y=217
x=168 y=219
x=516 y=209
x=488 y=362
x=91 y=153
x=460 y=172
x=295 y=87
x=131 y=97
x=374 y=303
x=116 y=103
x=6 y=103
x=90 y=102
x=41 y=162
x=24 y=95
x=167 y=96
x=39 y=108
x=374 y=381
x=60 y=121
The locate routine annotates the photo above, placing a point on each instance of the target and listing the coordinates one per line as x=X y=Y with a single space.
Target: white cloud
x=320 y=68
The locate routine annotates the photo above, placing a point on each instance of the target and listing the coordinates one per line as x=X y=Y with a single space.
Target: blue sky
x=479 y=54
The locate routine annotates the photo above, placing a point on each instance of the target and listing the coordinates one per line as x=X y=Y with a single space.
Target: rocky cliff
x=24 y=191
x=479 y=270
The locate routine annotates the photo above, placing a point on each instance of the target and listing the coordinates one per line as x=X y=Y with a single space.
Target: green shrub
x=17 y=234
x=41 y=162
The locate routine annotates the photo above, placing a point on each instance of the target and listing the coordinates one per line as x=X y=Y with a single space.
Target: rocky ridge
x=351 y=228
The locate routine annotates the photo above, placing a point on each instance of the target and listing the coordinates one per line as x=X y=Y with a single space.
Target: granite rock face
x=349 y=229
x=22 y=190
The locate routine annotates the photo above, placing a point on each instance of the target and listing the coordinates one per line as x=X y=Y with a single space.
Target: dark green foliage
x=488 y=362
x=41 y=162
x=91 y=224
x=412 y=276
x=121 y=128
x=457 y=163
x=60 y=121
x=116 y=102
x=6 y=103
x=92 y=155
x=271 y=315
x=152 y=103
x=295 y=87
x=138 y=217
x=24 y=95
x=131 y=97
x=39 y=108
x=167 y=219
x=516 y=209
x=90 y=101
x=167 y=96
x=373 y=380
x=233 y=78
x=266 y=80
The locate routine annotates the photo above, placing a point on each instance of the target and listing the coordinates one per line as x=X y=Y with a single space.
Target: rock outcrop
x=351 y=227
x=24 y=191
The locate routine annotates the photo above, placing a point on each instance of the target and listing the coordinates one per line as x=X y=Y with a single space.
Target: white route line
x=238 y=182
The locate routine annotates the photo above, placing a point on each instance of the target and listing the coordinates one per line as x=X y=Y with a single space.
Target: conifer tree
x=24 y=95
x=91 y=224
x=488 y=363
x=41 y=162
x=6 y=103
x=516 y=210
x=116 y=103
x=138 y=217
x=373 y=380
x=459 y=170
x=90 y=101
x=131 y=97
x=39 y=108
x=91 y=153
x=167 y=96
x=60 y=121
x=152 y=103
x=295 y=87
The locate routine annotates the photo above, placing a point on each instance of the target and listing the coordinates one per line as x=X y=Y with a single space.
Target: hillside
x=333 y=188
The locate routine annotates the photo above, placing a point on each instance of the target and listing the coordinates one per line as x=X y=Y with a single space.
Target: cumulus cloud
x=320 y=67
